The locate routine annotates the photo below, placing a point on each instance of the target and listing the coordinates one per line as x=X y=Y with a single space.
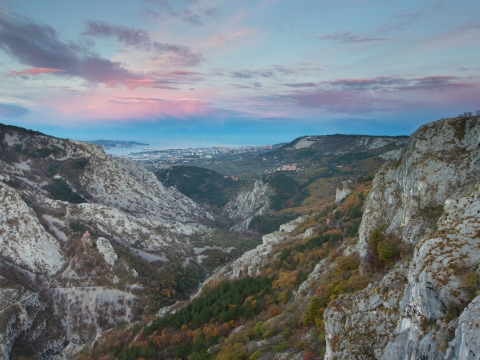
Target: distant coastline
x=117 y=144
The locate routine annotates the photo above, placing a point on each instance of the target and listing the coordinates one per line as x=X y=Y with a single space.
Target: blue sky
x=243 y=72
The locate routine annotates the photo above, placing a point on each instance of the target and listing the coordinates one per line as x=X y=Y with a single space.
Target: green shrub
x=387 y=250
x=18 y=148
x=60 y=190
x=52 y=169
x=44 y=152
x=259 y=330
x=81 y=164
x=383 y=250
x=255 y=355
x=471 y=281
x=15 y=183
x=376 y=237
x=76 y=226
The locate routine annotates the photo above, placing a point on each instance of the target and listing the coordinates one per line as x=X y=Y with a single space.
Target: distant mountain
x=111 y=144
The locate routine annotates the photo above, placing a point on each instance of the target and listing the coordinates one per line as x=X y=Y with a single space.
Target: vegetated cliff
x=422 y=307
x=60 y=288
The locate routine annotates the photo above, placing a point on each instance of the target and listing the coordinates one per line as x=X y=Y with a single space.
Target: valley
x=367 y=248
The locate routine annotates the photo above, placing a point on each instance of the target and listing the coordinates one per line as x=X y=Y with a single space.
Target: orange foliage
x=274 y=311
x=176 y=339
x=210 y=331
x=285 y=280
x=248 y=299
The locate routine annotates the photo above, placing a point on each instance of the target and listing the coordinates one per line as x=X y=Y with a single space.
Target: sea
x=163 y=144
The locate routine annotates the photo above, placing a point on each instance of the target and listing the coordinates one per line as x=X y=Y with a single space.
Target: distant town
x=161 y=159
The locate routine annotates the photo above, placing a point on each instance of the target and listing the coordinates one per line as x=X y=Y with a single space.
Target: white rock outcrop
x=342 y=191
x=466 y=344
x=23 y=239
x=106 y=249
x=404 y=316
x=248 y=204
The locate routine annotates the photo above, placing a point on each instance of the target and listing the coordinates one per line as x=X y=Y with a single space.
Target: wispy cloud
x=146 y=108
x=248 y=74
x=12 y=110
x=302 y=85
x=383 y=93
x=397 y=83
x=383 y=32
x=349 y=37
x=183 y=13
x=36 y=71
x=141 y=40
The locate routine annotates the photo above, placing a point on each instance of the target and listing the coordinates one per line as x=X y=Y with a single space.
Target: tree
x=232 y=352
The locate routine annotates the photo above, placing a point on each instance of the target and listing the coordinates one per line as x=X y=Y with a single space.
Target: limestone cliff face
x=408 y=314
x=57 y=274
x=247 y=204
x=342 y=191
x=23 y=239
x=19 y=309
x=441 y=161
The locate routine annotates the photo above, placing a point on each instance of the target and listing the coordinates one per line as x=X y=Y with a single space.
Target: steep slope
x=206 y=187
x=247 y=204
x=256 y=302
x=135 y=255
x=428 y=198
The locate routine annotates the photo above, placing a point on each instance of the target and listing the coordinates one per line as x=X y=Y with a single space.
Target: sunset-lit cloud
x=192 y=62
x=36 y=71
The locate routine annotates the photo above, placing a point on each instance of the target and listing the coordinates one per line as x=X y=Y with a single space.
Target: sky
x=236 y=72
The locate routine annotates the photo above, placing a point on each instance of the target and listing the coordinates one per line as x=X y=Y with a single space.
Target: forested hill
x=204 y=186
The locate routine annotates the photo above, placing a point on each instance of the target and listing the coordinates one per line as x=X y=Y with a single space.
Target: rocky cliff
x=424 y=306
x=60 y=288
x=247 y=204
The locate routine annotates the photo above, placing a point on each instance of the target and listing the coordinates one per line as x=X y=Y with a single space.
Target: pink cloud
x=131 y=108
x=36 y=71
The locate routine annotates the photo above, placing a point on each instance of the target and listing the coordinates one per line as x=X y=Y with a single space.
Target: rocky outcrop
x=429 y=198
x=466 y=344
x=19 y=308
x=247 y=204
x=106 y=249
x=441 y=161
x=85 y=286
x=361 y=324
x=292 y=225
x=23 y=239
x=342 y=191
x=251 y=261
